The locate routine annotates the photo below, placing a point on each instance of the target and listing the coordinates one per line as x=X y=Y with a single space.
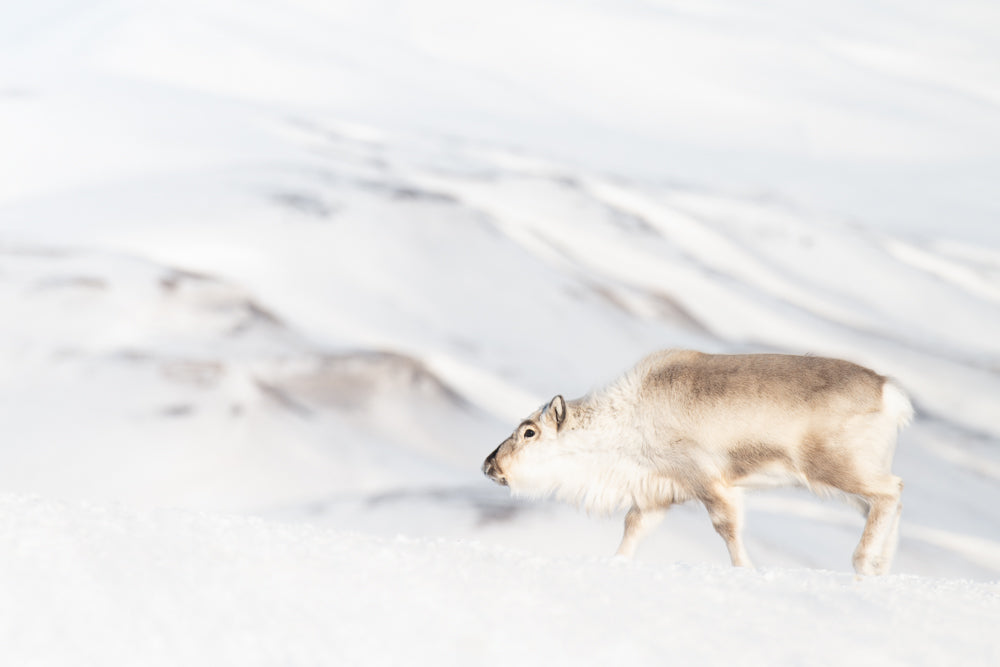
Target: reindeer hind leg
x=725 y=509
x=877 y=547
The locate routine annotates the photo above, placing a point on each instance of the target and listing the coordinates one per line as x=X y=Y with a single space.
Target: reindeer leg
x=638 y=522
x=725 y=508
x=892 y=540
x=874 y=552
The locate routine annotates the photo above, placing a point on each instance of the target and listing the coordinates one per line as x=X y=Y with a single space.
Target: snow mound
x=101 y=585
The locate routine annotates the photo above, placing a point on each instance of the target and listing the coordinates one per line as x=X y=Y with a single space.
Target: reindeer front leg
x=638 y=522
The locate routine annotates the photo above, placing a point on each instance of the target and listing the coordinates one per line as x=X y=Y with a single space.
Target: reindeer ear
x=556 y=409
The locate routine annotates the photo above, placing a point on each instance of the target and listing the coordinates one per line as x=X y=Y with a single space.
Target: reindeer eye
x=529 y=433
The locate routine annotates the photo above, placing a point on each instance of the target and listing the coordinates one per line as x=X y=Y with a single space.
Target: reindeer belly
x=761 y=465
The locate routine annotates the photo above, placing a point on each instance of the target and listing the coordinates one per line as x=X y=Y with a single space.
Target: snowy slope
x=322 y=356
x=91 y=585
x=311 y=261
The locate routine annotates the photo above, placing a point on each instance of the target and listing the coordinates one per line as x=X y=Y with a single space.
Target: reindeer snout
x=492 y=470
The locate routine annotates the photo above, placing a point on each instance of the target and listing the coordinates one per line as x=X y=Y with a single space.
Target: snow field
x=99 y=585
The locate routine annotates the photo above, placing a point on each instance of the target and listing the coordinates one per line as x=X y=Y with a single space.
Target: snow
x=116 y=586
x=276 y=277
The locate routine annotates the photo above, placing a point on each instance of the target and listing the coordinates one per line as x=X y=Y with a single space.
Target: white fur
x=897 y=404
x=603 y=468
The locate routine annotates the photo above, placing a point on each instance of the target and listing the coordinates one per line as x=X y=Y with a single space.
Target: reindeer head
x=536 y=439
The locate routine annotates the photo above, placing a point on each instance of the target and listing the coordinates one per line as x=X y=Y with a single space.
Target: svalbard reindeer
x=684 y=425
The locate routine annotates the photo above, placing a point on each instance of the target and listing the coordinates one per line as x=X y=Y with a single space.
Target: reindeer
x=683 y=425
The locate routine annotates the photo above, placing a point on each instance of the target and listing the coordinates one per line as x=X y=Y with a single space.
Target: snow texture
x=112 y=586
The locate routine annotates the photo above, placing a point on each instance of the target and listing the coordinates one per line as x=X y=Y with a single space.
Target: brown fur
x=788 y=380
x=767 y=411
x=823 y=465
x=747 y=458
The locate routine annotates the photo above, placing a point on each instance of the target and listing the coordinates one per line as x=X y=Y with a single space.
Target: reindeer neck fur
x=604 y=463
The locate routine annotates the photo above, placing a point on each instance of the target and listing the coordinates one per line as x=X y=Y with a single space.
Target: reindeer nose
x=492 y=470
